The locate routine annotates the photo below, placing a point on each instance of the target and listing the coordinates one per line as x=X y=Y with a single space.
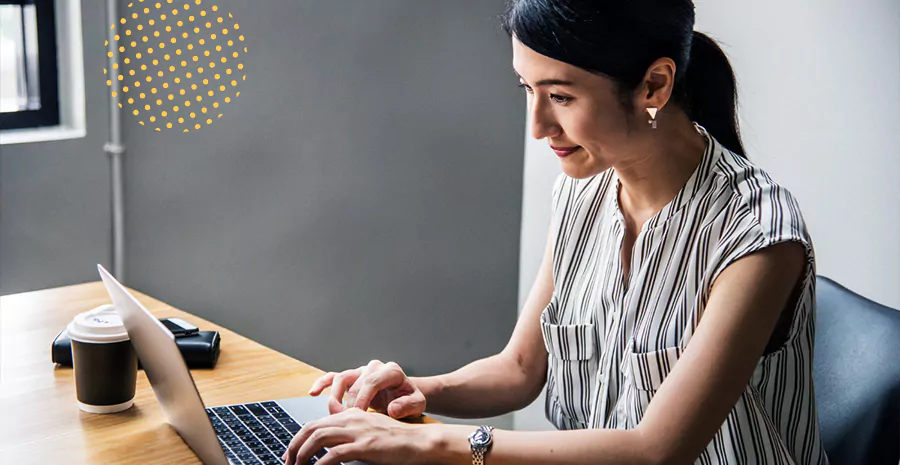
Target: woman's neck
x=654 y=174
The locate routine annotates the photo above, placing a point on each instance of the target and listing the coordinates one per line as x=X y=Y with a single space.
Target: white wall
x=541 y=169
x=820 y=108
x=820 y=95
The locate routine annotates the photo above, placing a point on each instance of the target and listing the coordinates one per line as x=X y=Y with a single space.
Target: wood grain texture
x=40 y=421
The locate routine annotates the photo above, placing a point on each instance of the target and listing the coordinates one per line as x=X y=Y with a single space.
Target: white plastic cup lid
x=100 y=325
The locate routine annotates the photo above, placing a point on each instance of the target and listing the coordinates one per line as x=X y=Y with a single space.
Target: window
x=29 y=82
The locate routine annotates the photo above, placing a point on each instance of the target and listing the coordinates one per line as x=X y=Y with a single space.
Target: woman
x=672 y=318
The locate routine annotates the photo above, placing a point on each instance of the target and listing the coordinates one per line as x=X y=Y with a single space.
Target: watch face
x=481 y=438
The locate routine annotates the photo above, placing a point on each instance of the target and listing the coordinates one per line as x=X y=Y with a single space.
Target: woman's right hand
x=382 y=386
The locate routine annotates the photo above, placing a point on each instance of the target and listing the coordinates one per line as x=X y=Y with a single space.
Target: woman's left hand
x=357 y=435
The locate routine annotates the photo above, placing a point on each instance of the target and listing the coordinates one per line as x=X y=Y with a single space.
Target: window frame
x=48 y=69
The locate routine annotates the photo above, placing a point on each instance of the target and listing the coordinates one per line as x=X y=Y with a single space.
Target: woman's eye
x=556 y=98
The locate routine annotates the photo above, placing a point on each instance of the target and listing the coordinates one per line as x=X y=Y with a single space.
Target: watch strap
x=477 y=457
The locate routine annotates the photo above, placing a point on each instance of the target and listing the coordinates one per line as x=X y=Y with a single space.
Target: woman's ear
x=657 y=86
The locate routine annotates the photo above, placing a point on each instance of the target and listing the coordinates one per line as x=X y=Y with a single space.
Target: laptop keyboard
x=255 y=433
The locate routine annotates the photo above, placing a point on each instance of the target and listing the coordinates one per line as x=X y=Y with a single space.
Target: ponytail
x=711 y=94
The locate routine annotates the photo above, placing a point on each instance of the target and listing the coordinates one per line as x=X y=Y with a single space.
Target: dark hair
x=620 y=39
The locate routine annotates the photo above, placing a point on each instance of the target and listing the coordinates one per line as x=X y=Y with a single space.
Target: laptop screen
x=168 y=374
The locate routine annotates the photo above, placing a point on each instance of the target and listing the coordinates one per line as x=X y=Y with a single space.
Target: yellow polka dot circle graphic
x=180 y=63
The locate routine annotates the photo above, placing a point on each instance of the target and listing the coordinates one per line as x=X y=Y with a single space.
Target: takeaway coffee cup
x=104 y=361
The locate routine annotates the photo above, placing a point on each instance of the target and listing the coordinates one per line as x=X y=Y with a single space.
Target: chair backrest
x=857 y=376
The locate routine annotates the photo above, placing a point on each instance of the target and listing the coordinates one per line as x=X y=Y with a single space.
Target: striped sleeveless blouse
x=610 y=346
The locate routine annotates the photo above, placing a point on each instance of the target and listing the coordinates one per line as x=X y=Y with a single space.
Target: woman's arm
x=692 y=402
x=505 y=382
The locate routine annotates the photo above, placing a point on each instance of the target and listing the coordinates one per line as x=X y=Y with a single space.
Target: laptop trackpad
x=307 y=408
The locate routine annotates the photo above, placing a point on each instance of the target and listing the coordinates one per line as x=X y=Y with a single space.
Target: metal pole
x=115 y=150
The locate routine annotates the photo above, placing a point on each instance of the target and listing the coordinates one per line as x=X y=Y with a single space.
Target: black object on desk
x=200 y=349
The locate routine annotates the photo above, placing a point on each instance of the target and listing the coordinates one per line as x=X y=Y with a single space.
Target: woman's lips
x=564 y=151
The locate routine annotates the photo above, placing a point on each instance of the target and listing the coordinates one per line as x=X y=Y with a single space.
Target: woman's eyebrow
x=549 y=82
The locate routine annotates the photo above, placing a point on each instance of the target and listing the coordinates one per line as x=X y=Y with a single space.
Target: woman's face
x=571 y=107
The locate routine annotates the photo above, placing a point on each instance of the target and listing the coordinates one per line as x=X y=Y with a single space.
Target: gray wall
x=360 y=200
x=54 y=196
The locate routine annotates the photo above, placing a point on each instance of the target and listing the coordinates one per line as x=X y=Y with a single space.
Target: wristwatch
x=480 y=441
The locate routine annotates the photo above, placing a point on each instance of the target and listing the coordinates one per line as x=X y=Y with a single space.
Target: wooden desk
x=41 y=423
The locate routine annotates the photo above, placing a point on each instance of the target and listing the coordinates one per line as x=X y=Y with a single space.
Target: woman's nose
x=543 y=124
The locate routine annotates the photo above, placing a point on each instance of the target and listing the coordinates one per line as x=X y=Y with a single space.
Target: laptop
x=253 y=433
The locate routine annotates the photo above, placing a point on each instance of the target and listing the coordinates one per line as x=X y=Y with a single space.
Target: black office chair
x=856 y=372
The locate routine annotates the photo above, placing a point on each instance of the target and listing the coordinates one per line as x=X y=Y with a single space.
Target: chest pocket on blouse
x=572 y=368
x=650 y=369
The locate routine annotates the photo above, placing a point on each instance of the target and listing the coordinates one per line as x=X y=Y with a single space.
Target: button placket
x=620 y=324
